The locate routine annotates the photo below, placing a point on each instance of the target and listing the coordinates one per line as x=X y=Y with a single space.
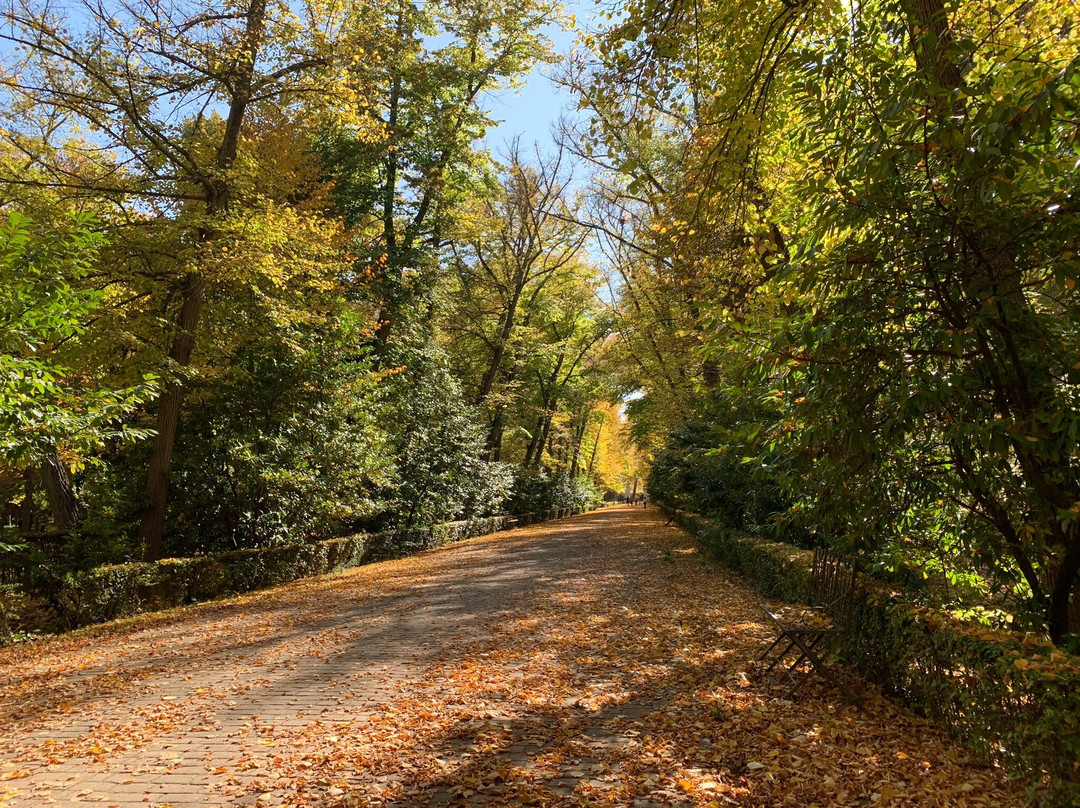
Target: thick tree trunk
x=931 y=39
x=193 y=289
x=55 y=478
x=152 y=526
x=1063 y=614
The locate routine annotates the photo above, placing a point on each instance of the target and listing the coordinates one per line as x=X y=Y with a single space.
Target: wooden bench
x=810 y=630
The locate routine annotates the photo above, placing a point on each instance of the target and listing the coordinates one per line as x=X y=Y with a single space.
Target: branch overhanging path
x=597 y=660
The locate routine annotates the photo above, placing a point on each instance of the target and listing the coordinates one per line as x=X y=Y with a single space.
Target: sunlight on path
x=597 y=660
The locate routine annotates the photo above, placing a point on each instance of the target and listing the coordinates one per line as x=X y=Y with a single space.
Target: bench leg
x=817 y=664
x=775 y=643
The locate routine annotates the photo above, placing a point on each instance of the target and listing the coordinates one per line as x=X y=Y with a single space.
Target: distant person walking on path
x=645 y=501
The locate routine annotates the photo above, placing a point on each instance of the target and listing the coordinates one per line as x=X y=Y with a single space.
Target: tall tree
x=165 y=94
x=873 y=202
x=511 y=244
x=438 y=61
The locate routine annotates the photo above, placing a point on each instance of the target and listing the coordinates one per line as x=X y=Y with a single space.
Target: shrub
x=119 y=590
x=280 y=445
x=718 y=483
x=66 y=599
x=538 y=491
x=436 y=444
x=1011 y=698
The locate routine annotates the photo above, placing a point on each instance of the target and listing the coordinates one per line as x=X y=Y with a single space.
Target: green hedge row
x=121 y=590
x=1014 y=700
x=105 y=593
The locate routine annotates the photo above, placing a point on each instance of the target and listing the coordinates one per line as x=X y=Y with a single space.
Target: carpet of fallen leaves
x=593 y=661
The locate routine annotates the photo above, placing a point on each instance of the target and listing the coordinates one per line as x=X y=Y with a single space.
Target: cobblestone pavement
x=592 y=660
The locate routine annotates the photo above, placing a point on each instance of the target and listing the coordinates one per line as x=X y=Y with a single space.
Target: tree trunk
x=505 y=330
x=931 y=39
x=579 y=436
x=1063 y=614
x=595 y=446
x=390 y=241
x=152 y=526
x=193 y=291
x=533 y=441
x=65 y=508
x=551 y=443
x=493 y=445
x=26 y=522
x=544 y=430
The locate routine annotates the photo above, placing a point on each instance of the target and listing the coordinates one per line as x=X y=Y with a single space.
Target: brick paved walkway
x=594 y=660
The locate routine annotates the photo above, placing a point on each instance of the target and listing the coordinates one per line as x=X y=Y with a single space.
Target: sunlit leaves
x=43 y=402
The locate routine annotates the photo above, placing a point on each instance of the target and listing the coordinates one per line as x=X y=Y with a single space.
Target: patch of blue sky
x=530 y=111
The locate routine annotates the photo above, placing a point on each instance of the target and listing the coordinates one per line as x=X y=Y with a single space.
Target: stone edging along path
x=596 y=660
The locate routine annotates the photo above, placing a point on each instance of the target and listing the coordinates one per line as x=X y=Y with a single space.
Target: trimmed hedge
x=1014 y=700
x=121 y=590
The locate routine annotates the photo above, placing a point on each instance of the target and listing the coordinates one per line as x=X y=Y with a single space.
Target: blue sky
x=529 y=112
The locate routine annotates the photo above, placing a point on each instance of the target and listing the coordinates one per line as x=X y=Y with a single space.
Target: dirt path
x=597 y=660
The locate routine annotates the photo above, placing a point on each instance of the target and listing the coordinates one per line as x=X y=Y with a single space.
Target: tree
x=944 y=348
x=164 y=95
x=870 y=209
x=437 y=444
x=510 y=245
x=437 y=62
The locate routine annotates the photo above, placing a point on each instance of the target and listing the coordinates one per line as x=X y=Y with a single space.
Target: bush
x=52 y=597
x=1012 y=699
x=280 y=445
x=399 y=542
x=437 y=445
x=119 y=590
x=718 y=483
x=538 y=491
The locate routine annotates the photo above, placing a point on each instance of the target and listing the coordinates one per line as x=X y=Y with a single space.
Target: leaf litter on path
x=594 y=661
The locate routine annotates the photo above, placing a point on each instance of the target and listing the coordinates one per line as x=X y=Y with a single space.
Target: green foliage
x=1013 y=699
x=437 y=445
x=45 y=403
x=718 y=483
x=281 y=442
x=60 y=593
x=282 y=260
x=867 y=218
x=935 y=389
x=538 y=491
x=403 y=188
